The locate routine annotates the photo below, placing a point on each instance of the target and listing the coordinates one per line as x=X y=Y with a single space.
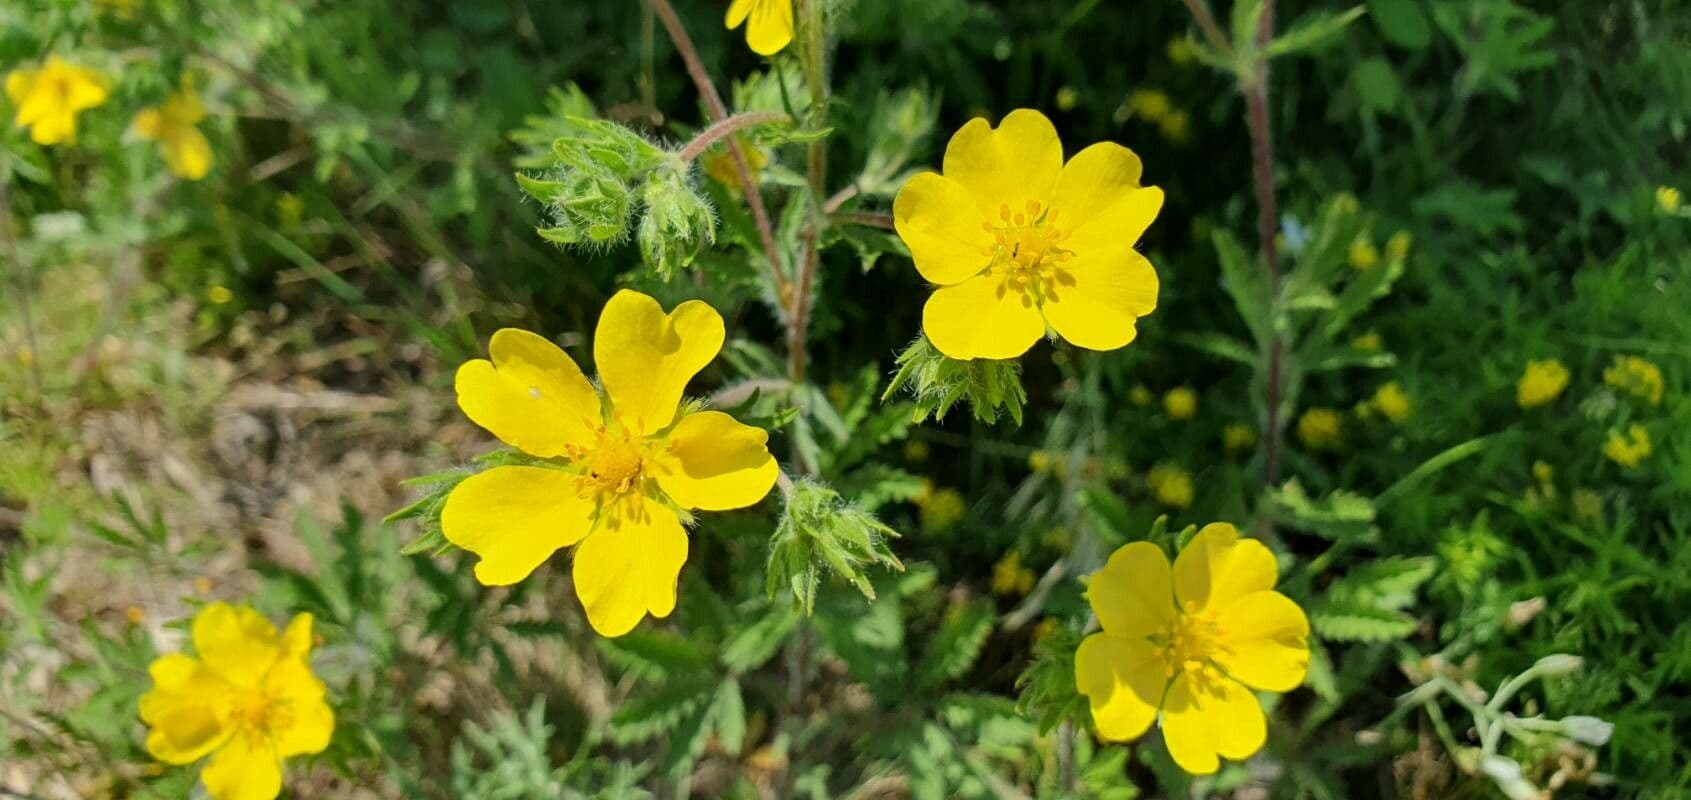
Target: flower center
x=1026 y=248
x=614 y=466
x=260 y=713
x=1191 y=644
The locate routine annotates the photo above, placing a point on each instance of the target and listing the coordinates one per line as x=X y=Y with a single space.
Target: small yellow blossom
x=219 y=294
x=1045 y=628
x=1140 y=395
x=1020 y=243
x=174 y=125
x=1171 y=485
x=135 y=615
x=1182 y=51
x=1630 y=449
x=630 y=462
x=1176 y=126
x=1368 y=343
x=289 y=210
x=1588 y=505
x=1667 y=199
x=1321 y=429
x=48 y=99
x=1191 y=642
x=942 y=509
x=1391 y=401
x=1397 y=247
x=1363 y=254
x=770 y=27
x=1057 y=538
x=1238 y=437
x=719 y=164
x=248 y=700
x=1544 y=473
x=1636 y=376
x=1151 y=104
x=1067 y=98
x=1180 y=403
x=1010 y=578
x=202 y=585
x=1041 y=461
x=916 y=451
x=1542 y=382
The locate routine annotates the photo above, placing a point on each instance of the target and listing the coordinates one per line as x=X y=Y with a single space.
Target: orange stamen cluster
x=1191 y=644
x=614 y=466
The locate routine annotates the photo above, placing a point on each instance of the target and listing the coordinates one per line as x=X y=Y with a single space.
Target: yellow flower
x=1368 y=342
x=1636 y=376
x=1588 y=505
x=1238 y=437
x=219 y=294
x=1191 y=642
x=1180 y=403
x=173 y=125
x=1667 y=199
x=1041 y=461
x=1321 y=429
x=1067 y=98
x=1171 y=485
x=1541 y=383
x=248 y=700
x=1397 y=247
x=916 y=451
x=771 y=25
x=1151 y=104
x=1391 y=401
x=719 y=164
x=1182 y=50
x=1543 y=472
x=1176 y=126
x=941 y=509
x=1018 y=242
x=202 y=585
x=1363 y=255
x=49 y=98
x=631 y=464
x=1139 y=395
x=1628 y=450
x=1010 y=578
x=135 y=615
x=1045 y=628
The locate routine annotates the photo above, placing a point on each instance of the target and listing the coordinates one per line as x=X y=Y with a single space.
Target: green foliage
x=820 y=532
x=937 y=383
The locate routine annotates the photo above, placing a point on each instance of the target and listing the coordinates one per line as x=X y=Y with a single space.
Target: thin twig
x=816 y=74
x=716 y=132
x=21 y=283
x=1207 y=24
x=868 y=219
x=1262 y=171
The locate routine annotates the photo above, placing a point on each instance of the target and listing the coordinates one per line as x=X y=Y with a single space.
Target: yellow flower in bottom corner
x=1189 y=644
x=248 y=700
x=630 y=466
x=48 y=99
x=173 y=125
x=770 y=27
x=1017 y=241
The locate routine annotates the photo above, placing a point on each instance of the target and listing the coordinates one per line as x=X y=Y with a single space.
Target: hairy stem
x=1206 y=23
x=1262 y=172
x=718 y=131
x=816 y=74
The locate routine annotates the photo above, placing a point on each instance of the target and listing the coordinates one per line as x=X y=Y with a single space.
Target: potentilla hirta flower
x=248 y=700
x=173 y=124
x=1189 y=644
x=628 y=465
x=49 y=98
x=1019 y=242
x=770 y=25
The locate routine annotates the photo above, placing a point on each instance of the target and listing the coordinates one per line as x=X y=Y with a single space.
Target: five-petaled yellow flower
x=49 y=98
x=1018 y=242
x=769 y=23
x=1191 y=642
x=1542 y=382
x=628 y=465
x=248 y=700
x=173 y=124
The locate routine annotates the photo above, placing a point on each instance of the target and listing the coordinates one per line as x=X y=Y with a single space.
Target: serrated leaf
x=654 y=653
x=644 y=718
x=755 y=644
x=1359 y=622
x=1312 y=31
x=728 y=717
x=1245 y=283
x=955 y=647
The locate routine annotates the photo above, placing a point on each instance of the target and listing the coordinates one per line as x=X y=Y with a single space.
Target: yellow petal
x=236 y=642
x=1217 y=567
x=310 y=723
x=531 y=395
x=716 y=463
x=937 y=219
x=629 y=567
x=515 y=518
x=184 y=710
x=771 y=26
x=19 y=83
x=52 y=128
x=1123 y=680
x=1100 y=204
x=247 y=768
x=84 y=89
x=1133 y=594
x=1099 y=298
x=1267 y=641
x=1017 y=162
x=1206 y=719
x=296 y=638
x=981 y=318
x=148 y=123
x=188 y=154
x=738 y=11
x=645 y=357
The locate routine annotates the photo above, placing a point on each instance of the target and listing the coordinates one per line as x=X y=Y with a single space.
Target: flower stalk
x=725 y=128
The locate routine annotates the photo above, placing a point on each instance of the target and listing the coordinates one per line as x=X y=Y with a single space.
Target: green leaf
x=1048 y=693
x=1339 y=516
x=1359 y=622
x=1402 y=23
x=1377 y=85
x=644 y=718
x=1220 y=345
x=821 y=533
x=1387 y=583
x=937 y=383
x=1247 y=16
x=653 y=653
x=1246 y=283
x=1312 y=31
x=756 y=643
x=956 y=646
x=728 y=716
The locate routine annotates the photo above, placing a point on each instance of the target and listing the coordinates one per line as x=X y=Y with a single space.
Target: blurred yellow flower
x=770 y=25
x=1182 y=51
x=1397 y=247
x=290 y=209
x=1067 y=98
x=1588 y=505
x=1140 y=395
x=173 y=124
x=719 y=164
x=1041 y=461
x=1176 y=126
x=1151 y=104
x=1010 y=578
x=1171 y=485
x=202 y=585
x=1321 y=429
x=248 y=700
x=1191 y=642
x=1180 y=403
x=1045 y=628
x=1391 y=401
x=633 y=462
x=1543 y=472
x=135 y=615
x=49 y=98
x=219 y=294
x=1363 y=255
x=916 y=451
x=1018 y=242
x=1368 y=342
x=1628 y=450
x=1238 y=437
x=1541 y=383
x=1636 y=376
x=941 y=509
x=1667 y=199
